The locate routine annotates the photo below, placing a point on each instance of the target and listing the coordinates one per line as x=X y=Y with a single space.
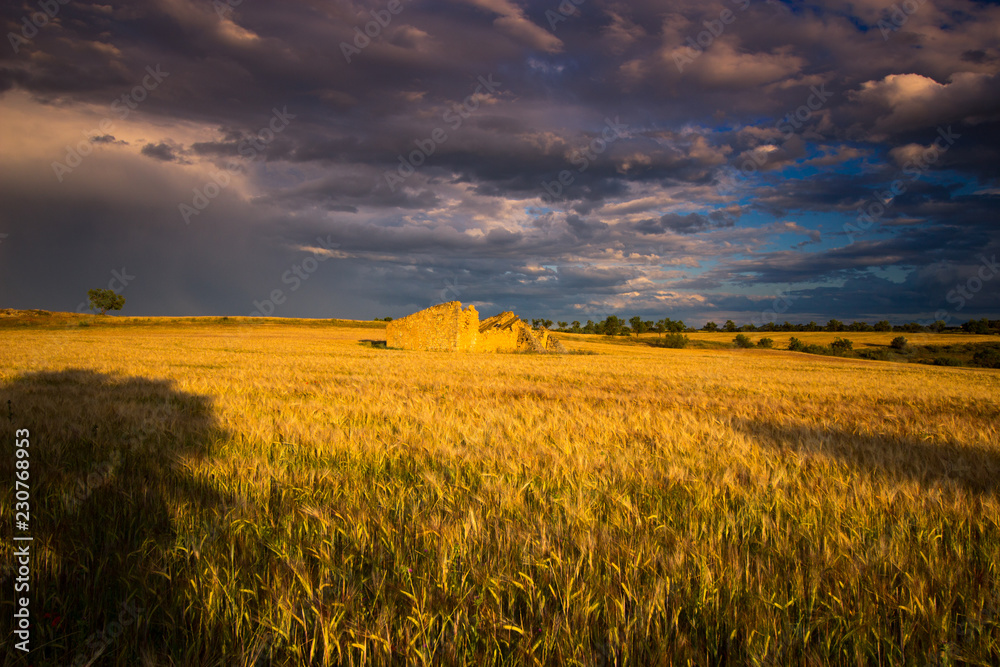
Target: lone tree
x=638 y=325
x=105 y=300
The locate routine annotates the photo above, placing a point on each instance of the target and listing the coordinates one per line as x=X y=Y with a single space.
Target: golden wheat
x=281 y=493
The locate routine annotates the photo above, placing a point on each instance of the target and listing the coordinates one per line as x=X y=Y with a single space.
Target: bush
x=988 y=358
x=742 y=341
x=766 y=343
x=878 y=354
x=674 y=340
x=946 y=361
x=841 y=345
x=898 y=343
x=795 y=345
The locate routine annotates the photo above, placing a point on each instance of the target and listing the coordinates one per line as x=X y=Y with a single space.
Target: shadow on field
x=104 y=483
x=975 y=469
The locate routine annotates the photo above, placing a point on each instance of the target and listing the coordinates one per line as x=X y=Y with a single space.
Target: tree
x=105 y=300
x=882 y=325
x=939 y=326
x=638 y=326
x=729 y=326
x=841 y=345
x=674 y=326
x=977 y=326
x=766 y=343
x=563 y=325
x=898 y=343
x=710 y=326
x=834 y=325
x=546 y=323
x=675 y=340
x=612 y=326
x=742 y=341
x=576 y=326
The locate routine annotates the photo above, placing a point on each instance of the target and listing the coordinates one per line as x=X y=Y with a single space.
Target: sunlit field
x=287 y=493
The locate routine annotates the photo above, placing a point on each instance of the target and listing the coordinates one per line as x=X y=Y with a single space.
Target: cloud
x=663 y=219
x=514 y=23
x=160 y=151
x=691 y=223
x=901 y=102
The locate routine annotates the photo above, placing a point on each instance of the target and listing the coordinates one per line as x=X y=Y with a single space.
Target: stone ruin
x=448 y=327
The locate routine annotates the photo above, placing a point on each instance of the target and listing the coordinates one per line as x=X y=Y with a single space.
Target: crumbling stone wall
x=499 y=333
x=468 y=328
x=552 y=344
x=445 y=327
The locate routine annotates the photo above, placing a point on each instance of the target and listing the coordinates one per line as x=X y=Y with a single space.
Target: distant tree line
x=613 y=325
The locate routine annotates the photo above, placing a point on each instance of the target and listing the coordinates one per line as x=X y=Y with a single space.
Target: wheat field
x=284 y=493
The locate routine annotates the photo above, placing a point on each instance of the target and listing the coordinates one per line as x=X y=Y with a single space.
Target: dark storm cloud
x=685 y=224
x=421 y=175
x=159 y=151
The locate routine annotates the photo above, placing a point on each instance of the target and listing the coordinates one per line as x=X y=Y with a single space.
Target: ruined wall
x=552 y=344
x=467 y=334
x=507 y=332
x=543 y=337
x=445 y=327
x=527 y=341
x=497 y=334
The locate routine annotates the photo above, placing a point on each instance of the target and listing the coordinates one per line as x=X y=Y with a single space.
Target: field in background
x=861 y=339
x=267 y=492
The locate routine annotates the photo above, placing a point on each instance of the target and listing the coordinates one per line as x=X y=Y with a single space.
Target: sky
x=753 y=160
